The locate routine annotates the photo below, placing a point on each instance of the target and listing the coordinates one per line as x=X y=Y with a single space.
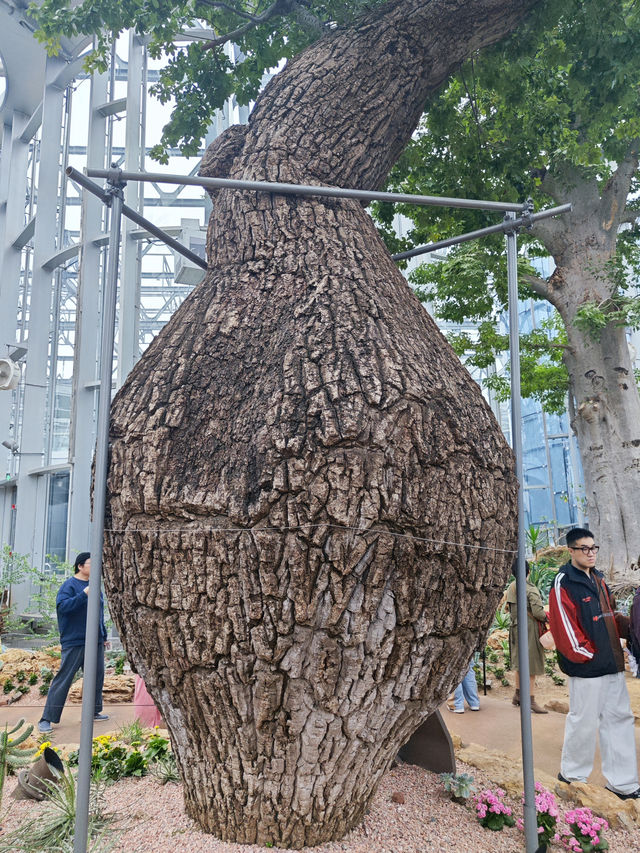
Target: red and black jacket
x=581 y=616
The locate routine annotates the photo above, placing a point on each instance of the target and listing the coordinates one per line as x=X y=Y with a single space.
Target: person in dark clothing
x=71 y=609
x=585 y=629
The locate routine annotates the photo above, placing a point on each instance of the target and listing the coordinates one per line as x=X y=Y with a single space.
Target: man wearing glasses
x=583 y=624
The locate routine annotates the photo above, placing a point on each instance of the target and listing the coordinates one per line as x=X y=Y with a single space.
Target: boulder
x=496 y=638
x=117 y=689
x=619 y=814
x=557 y=705
x=503 y=769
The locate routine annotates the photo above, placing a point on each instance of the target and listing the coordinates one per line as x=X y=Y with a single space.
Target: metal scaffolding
x=52 y=263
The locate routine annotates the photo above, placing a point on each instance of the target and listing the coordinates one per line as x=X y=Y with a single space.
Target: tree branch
x=563 y=347
x=538 y=285
x=213 y=4
x=550 y=232
x=630 y=215
x=279 y=7
x=617 y=188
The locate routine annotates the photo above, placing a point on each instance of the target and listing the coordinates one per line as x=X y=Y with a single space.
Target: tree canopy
x=554 y=108
x=199 y=74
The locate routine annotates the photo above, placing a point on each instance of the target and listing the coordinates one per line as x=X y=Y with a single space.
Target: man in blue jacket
x=71 y=608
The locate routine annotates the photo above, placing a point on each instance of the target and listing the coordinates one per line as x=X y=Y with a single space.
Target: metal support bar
x=504 y=226
x=530 y=821
x=112 y=107
x=134 y=216
x=304 y=190
x=97 y=532
x=510 y=227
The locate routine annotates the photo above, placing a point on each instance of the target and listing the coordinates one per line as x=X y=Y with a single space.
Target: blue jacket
x=71 y=607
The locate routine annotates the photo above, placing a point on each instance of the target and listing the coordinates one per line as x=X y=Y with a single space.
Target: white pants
x=600 y=705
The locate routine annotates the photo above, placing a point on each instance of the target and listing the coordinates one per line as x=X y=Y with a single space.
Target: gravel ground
x=149 y=818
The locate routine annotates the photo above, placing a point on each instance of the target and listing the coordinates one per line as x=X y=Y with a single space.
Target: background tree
x=552 y=113
x=296 y=453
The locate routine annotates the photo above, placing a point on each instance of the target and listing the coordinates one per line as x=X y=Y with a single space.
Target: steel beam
x=32 y=492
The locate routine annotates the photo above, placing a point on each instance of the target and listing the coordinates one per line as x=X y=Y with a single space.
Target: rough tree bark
x=310 y=505
x=603 y=393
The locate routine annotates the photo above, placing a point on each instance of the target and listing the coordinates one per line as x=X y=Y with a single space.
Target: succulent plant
x=12 y=754
x=459 y=785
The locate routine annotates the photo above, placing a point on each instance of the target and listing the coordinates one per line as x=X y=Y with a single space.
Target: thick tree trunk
x=605 y=404
x=607 y=424
x=606 y=420
x=311 y=507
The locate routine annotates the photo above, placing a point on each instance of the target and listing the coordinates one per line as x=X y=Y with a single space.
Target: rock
x=17 y=660
x=17 y=656
x=557 y=705
x=397 y=797
x=619 y=814
x=495 y=640
x=456 y=740
x=117 y=688
x=504 y=770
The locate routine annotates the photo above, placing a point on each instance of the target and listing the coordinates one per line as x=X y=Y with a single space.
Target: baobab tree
x=311 y=508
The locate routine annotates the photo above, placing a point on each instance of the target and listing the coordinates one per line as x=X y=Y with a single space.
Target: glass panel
x=538 y=506
x=56 y=543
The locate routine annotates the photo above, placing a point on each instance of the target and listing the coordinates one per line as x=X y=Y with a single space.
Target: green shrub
x=157 y=747
x=33 y=678
x=8 y=686
x=44 y=688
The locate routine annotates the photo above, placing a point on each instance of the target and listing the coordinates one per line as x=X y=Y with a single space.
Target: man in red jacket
x=584 y=628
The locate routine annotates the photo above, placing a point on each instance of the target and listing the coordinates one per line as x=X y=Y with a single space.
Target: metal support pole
x=136 y=217
x=530 y=821
x=116 y=175
x=484 y=671
x=97 y=532
x=526 y=220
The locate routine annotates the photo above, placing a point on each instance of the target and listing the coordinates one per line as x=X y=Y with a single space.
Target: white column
x=13 y=182
x=32 y=489
x=88 y=321
x=129 y=313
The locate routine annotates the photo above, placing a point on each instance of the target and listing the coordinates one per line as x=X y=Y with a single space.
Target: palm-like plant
x=542 y=576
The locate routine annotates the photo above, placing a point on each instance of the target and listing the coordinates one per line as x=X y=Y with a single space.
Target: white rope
x=345 y=528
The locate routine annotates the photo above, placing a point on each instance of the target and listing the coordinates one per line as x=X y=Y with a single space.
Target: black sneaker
x=562 y=779
x=634 y=795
